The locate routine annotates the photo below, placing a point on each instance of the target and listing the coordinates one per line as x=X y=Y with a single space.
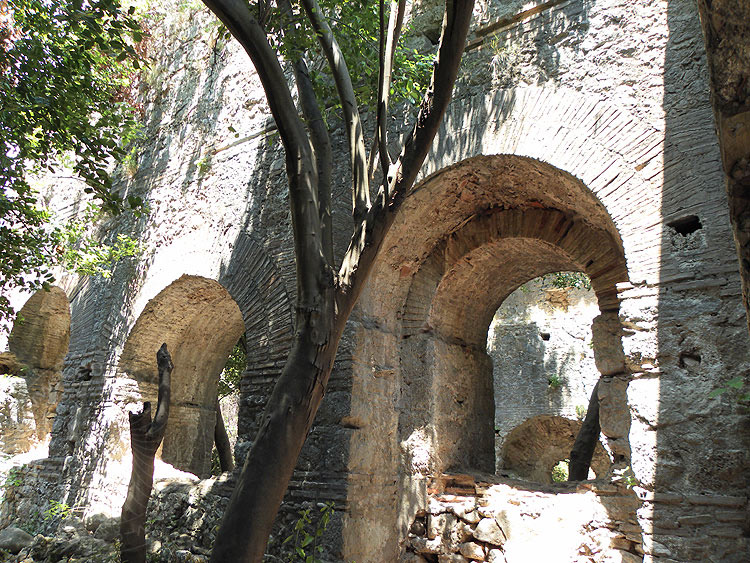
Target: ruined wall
x=616 y=94
x=580 y=138
x=542 y=355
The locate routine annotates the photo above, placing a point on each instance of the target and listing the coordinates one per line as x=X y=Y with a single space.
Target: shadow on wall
x=702 y=468
x=531 y=49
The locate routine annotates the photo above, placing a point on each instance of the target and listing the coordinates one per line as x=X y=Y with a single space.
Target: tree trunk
x=324 y=300
x=145 y=438
x=221 y=439
x=270 y=463
x=588 y=436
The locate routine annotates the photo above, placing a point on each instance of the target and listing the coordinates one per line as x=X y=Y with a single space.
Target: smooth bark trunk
x=273 y=456
x=221 y=439
x=588 y=436
x=145 y=438
x=324 y=301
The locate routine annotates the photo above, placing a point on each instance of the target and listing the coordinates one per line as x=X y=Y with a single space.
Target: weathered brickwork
x=580 y=138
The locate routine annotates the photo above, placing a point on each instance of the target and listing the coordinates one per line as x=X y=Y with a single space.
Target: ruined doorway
x=200 y=323
x=467 y=237
x=544 y=372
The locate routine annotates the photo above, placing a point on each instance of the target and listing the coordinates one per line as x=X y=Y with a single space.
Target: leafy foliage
x=65 y=69
x=58 y=510
x=229 y=379
x=304 y=541
x=735 y=387
x=560 y=471
x=355 y=25
x=562 y=280
x=554 y=381
x=81 y=251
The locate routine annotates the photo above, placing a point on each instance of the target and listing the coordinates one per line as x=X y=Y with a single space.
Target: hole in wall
x=686 y=225
x=689 y=359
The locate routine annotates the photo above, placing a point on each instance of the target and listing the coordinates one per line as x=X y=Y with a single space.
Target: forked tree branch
x=354 y=132
x=368 y=236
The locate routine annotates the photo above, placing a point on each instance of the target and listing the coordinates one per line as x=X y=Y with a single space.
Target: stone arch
x=466 y=237
x=38 y=344
x=200 y=323
x=533 y=447
x=547 y=222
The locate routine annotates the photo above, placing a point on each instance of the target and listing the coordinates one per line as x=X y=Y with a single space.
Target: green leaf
x=736 y=383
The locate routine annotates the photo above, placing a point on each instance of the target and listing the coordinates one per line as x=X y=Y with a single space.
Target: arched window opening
x=201 y=324
x=541 y=346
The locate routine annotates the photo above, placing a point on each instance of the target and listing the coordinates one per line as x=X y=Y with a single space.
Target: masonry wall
x=542 y=354
x=588 y=114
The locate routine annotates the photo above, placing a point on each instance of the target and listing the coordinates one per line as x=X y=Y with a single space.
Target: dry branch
x=145 y=439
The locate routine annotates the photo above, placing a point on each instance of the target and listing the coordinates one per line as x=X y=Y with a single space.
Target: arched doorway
x=466 y=238
x=38 y=344
x=200 y=323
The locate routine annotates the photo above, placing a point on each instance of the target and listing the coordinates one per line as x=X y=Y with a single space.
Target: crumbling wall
x=542 y=352
x=580 y=138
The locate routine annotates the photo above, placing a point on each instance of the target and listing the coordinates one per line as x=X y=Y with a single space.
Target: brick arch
x=450 y=303
x=39 y=341
x=200 y=323
x=493 y=254
x=522 y=148
x=466 y=237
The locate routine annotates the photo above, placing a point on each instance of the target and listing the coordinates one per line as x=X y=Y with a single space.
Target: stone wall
x=542 y=354
x=580 y=138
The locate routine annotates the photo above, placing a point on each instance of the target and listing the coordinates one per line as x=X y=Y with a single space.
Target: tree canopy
x=65 y=71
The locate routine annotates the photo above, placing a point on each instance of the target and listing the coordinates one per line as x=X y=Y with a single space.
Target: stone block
x=614 y=415
x=606 y=332
x=495 y=556
x=472 y=550
x=14 y=539
x=489 y=531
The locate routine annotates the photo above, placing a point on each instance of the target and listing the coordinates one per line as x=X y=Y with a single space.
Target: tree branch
x=387 y=54
x=585 y=443
x=320 y=140
x=303 y=193
x=221 y=439
x=368 y=236
x=354 y=133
